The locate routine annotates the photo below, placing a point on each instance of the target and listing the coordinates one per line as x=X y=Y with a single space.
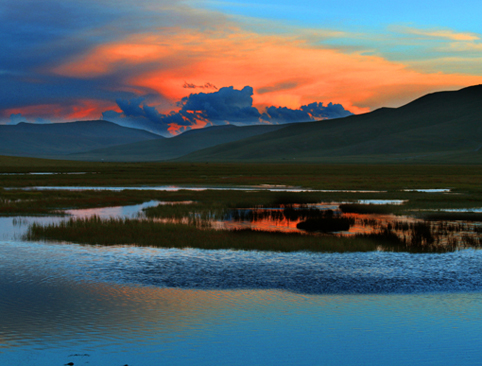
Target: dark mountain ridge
x=45 y=140
x=174 y=147
x=435 y=124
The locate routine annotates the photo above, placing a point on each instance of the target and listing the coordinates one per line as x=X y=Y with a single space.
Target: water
x=46 y=173
x=14 y=228
x=432 y=190
x=138 y=306
x=93 y=305
x=173 y=188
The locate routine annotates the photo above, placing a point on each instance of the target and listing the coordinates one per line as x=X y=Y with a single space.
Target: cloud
x=442 y=33
x=310 y=112
x=279 y=86
x=42 y=40
x=225 y=106
x=194 y=86
x=318 y=111
x=16 y=118
x=69 y=60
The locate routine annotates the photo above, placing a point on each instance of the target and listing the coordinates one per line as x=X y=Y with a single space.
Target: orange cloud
x=446 y=34
x=287 y=71
x=82 y=110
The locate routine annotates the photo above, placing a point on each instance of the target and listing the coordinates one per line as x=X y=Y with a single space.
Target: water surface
x=175 y=188
x=93 y=305
x=141 y=306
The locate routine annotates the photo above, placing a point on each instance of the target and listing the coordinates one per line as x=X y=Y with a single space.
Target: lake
x=92 y=305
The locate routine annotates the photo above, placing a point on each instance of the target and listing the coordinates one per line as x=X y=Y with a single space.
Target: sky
x=169 y=66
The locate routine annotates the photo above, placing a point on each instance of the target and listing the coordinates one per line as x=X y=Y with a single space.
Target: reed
x=149 y=233
x=98 y=231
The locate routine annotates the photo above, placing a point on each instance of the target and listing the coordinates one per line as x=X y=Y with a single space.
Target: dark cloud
x=38 y=36
x=225 y=106
x=285 y=115
x=194 y=86
x=318 y=111
x=310 y=112
x=131 y=108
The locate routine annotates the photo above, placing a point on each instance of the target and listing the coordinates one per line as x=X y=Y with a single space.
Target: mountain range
x=438 y=127
x=58 y=140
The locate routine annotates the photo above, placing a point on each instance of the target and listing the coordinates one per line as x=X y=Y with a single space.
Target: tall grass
x=149 y=233
x=169 y=235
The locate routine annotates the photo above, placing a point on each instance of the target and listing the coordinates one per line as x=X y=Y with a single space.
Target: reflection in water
x=404 y=231
x=14 y=228
x=48 y=173
x=436 y=190
x=175 y=188
x=143 y=306
x=473 y=209
x=121 y=305
x=131 y=211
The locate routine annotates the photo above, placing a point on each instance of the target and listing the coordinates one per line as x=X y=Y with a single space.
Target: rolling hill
x=438 y=127
x=442 y=127
x=174 y=147
x=60 y=139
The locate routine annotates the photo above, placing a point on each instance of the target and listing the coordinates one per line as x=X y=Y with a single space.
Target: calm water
x=91 y=305
x=195 y=188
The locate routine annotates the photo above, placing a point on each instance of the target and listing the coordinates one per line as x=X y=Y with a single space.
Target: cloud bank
x=71 y=60
x=225 y=106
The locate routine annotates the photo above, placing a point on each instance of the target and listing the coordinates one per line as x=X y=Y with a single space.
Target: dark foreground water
x=90 y=305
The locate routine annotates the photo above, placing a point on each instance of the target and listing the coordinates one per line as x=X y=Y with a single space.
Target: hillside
x=174 y=147
x=434 y=128
x=58 y=139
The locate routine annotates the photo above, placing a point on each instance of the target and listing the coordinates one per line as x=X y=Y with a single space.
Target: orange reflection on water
x=265 y=224
x=273 y=221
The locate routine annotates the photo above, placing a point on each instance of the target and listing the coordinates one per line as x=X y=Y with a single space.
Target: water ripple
x=309 y=273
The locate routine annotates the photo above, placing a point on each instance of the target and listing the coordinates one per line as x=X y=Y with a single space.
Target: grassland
x=316 y=176
x=464 y=181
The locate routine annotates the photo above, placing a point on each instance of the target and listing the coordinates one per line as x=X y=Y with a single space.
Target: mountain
x=60 y=139
x=438 y=127
x=174 y=147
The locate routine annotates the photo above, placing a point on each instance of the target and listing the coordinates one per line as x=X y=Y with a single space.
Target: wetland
x=299 y=263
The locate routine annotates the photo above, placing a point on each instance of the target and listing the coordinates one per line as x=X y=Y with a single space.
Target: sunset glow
x=201 y=47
